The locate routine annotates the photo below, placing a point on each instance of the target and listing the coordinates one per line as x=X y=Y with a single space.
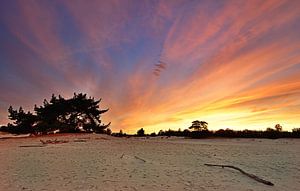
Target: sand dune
x=99 y=162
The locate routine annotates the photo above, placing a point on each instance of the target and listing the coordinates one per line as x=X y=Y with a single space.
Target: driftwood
x=53 y=142
x=103 y=138
x=80 y=141
x=139 y=158
x=245 y=173
x=136 y=157
x=32 y=145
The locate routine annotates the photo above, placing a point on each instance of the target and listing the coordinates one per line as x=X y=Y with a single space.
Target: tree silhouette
x=23 y=122
x=140 y=132
x=65 y=115
x=108 y=131
x=278 y=127
x=296 y=130
x=199 y=125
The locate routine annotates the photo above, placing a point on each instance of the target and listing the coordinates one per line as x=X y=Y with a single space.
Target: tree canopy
x=278 y=127
x=140 y=132
x=199 y=125
x=79 y=113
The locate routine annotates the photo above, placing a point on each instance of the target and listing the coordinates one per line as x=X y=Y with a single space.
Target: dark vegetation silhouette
x=199 y=129
x=140 y=132
x=120 y=134
x=199 y=125
x=77 y=114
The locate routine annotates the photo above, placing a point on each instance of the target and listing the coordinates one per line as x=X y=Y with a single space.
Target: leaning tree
x=70 y=115
x=79 y=113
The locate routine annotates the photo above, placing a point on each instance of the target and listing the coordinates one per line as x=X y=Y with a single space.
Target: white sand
x=110 y=163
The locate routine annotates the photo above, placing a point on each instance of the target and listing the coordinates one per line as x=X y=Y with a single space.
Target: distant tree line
x=199 y=129
x=139 y=133
x=229 y=133
x=77 y=114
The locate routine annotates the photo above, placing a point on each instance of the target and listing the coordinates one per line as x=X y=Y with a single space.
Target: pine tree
x=65 y=115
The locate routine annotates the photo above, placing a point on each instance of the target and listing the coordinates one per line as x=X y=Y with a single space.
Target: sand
x=100 y=162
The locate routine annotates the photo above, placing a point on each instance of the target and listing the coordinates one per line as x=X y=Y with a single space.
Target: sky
x=156 y=64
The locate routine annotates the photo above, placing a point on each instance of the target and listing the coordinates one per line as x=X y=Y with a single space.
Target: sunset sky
x=234 y=64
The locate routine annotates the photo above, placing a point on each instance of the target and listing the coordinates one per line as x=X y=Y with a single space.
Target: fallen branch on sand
x=103 y=138
x=109 y=181
x=245 y=173
x=136 y=157
x=32 y=145
x=139 y=158
x=53 y=142
x=80 y=141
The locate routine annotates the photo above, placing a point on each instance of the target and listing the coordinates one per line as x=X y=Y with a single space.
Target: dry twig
x=80 y=141
x=32 y=145
x=54 y=142
x=139 y=158
x=245 y=173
